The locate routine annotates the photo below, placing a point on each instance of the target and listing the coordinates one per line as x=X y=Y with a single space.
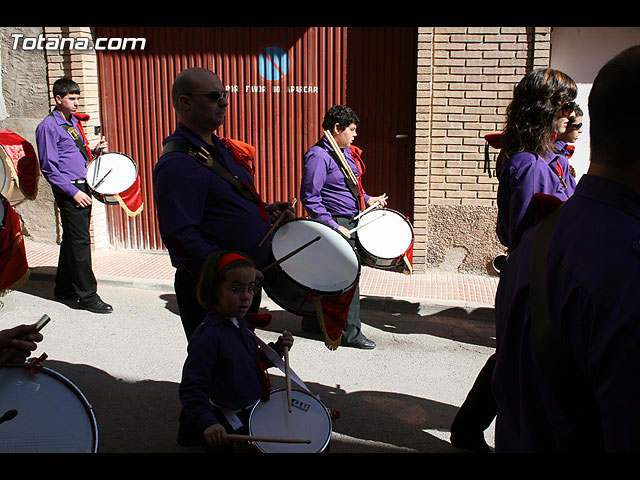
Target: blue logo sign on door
x=273 y=63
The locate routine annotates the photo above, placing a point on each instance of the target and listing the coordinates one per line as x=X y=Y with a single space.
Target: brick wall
x=465 y=81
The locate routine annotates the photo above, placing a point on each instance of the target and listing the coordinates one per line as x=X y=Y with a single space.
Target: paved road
x=400 y=397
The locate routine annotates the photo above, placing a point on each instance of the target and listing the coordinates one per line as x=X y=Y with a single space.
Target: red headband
x=227 y=258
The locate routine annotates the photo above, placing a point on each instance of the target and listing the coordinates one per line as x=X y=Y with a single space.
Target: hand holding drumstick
x=279 y=210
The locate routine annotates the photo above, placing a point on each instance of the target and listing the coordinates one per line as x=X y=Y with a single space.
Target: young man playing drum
x=328 y=197
x=64 y=155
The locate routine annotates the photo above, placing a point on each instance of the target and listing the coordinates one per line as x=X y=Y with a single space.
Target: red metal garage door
x=278 y=110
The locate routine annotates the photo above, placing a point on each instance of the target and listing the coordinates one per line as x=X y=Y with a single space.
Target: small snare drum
x=109 y=175
x=53 y=414
x=384 y=236
x=309 y=420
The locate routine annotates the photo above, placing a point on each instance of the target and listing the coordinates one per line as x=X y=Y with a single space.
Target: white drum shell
x=384 y=236
x=53 y=415
x=309 y=420
x=327 y=267
x=123 y=174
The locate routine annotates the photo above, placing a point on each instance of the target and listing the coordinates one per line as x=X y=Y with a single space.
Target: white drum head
x=384 y=233
x=328 y=265
x=308 y=420
x=120 y=171
x=53 y=416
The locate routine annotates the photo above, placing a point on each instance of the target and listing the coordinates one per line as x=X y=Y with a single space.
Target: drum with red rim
x=109 y=175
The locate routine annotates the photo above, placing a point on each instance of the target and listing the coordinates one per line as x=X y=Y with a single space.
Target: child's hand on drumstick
x=284 y=340
x=215 y=435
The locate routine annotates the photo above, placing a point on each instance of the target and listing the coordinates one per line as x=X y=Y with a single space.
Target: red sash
x=243 y=154
x=23 y=162
x=331 y=313
x=356 y=153
x=14 y=269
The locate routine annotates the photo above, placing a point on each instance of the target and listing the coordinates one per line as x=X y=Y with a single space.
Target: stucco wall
x=26 y=100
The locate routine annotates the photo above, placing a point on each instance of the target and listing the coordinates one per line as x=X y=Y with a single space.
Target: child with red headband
x=224 y=374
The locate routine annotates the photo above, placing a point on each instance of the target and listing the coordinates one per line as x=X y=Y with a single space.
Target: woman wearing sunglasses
x=543 y=103
x=529 y=163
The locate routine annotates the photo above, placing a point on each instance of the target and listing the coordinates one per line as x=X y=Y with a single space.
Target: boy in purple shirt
x=63 y=162
x=327 y=197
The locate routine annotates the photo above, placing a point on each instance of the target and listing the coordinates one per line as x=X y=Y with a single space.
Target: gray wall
x=25 y=99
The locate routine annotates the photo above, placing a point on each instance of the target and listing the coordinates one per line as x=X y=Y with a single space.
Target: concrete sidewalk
x=153 y=270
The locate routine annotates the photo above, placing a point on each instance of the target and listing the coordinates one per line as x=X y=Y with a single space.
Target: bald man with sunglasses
x=199 y=210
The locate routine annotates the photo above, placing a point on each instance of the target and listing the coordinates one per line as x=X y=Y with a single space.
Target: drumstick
x=102 y=179
x=340 y=154
x=287 y=374
x=275 y=224
x=11 y=352
x=369 y=209
x=289 y=255
x=365 y=224
x=254 y=438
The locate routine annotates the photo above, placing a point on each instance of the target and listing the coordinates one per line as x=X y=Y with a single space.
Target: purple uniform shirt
x=199 y=212
x=61 y=162
x=221 y=365
x=593 y=273
x=520 y=177
x=323 y=188
x=564 y=155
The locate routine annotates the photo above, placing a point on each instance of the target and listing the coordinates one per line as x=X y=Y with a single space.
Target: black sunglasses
x=213 y=95
x=577 y=126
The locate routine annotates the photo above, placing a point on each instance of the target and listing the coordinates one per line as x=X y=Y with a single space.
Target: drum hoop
x=135 y=166
x=404 y=217
x=307 y=394
x=68 y=383
x=305 y=287
x=359 y=242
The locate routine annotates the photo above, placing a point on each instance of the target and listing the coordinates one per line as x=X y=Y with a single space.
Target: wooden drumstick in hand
x=254 y=438
x=289 y=255
x=277 y=222
x=287 y=373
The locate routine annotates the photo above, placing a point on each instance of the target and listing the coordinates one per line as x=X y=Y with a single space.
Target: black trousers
x=479 y=408
x=74 y=275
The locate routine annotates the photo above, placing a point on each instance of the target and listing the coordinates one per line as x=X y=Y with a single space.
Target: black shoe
x=362 y=342
x=96 y=306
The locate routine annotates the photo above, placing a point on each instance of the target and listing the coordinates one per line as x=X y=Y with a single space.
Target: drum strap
x=78 y=138
x=354 y=188
x=278 y=362
x=202 y=156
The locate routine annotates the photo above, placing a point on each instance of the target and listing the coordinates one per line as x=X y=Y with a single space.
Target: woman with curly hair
x=542 y=105
x=528 y=163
